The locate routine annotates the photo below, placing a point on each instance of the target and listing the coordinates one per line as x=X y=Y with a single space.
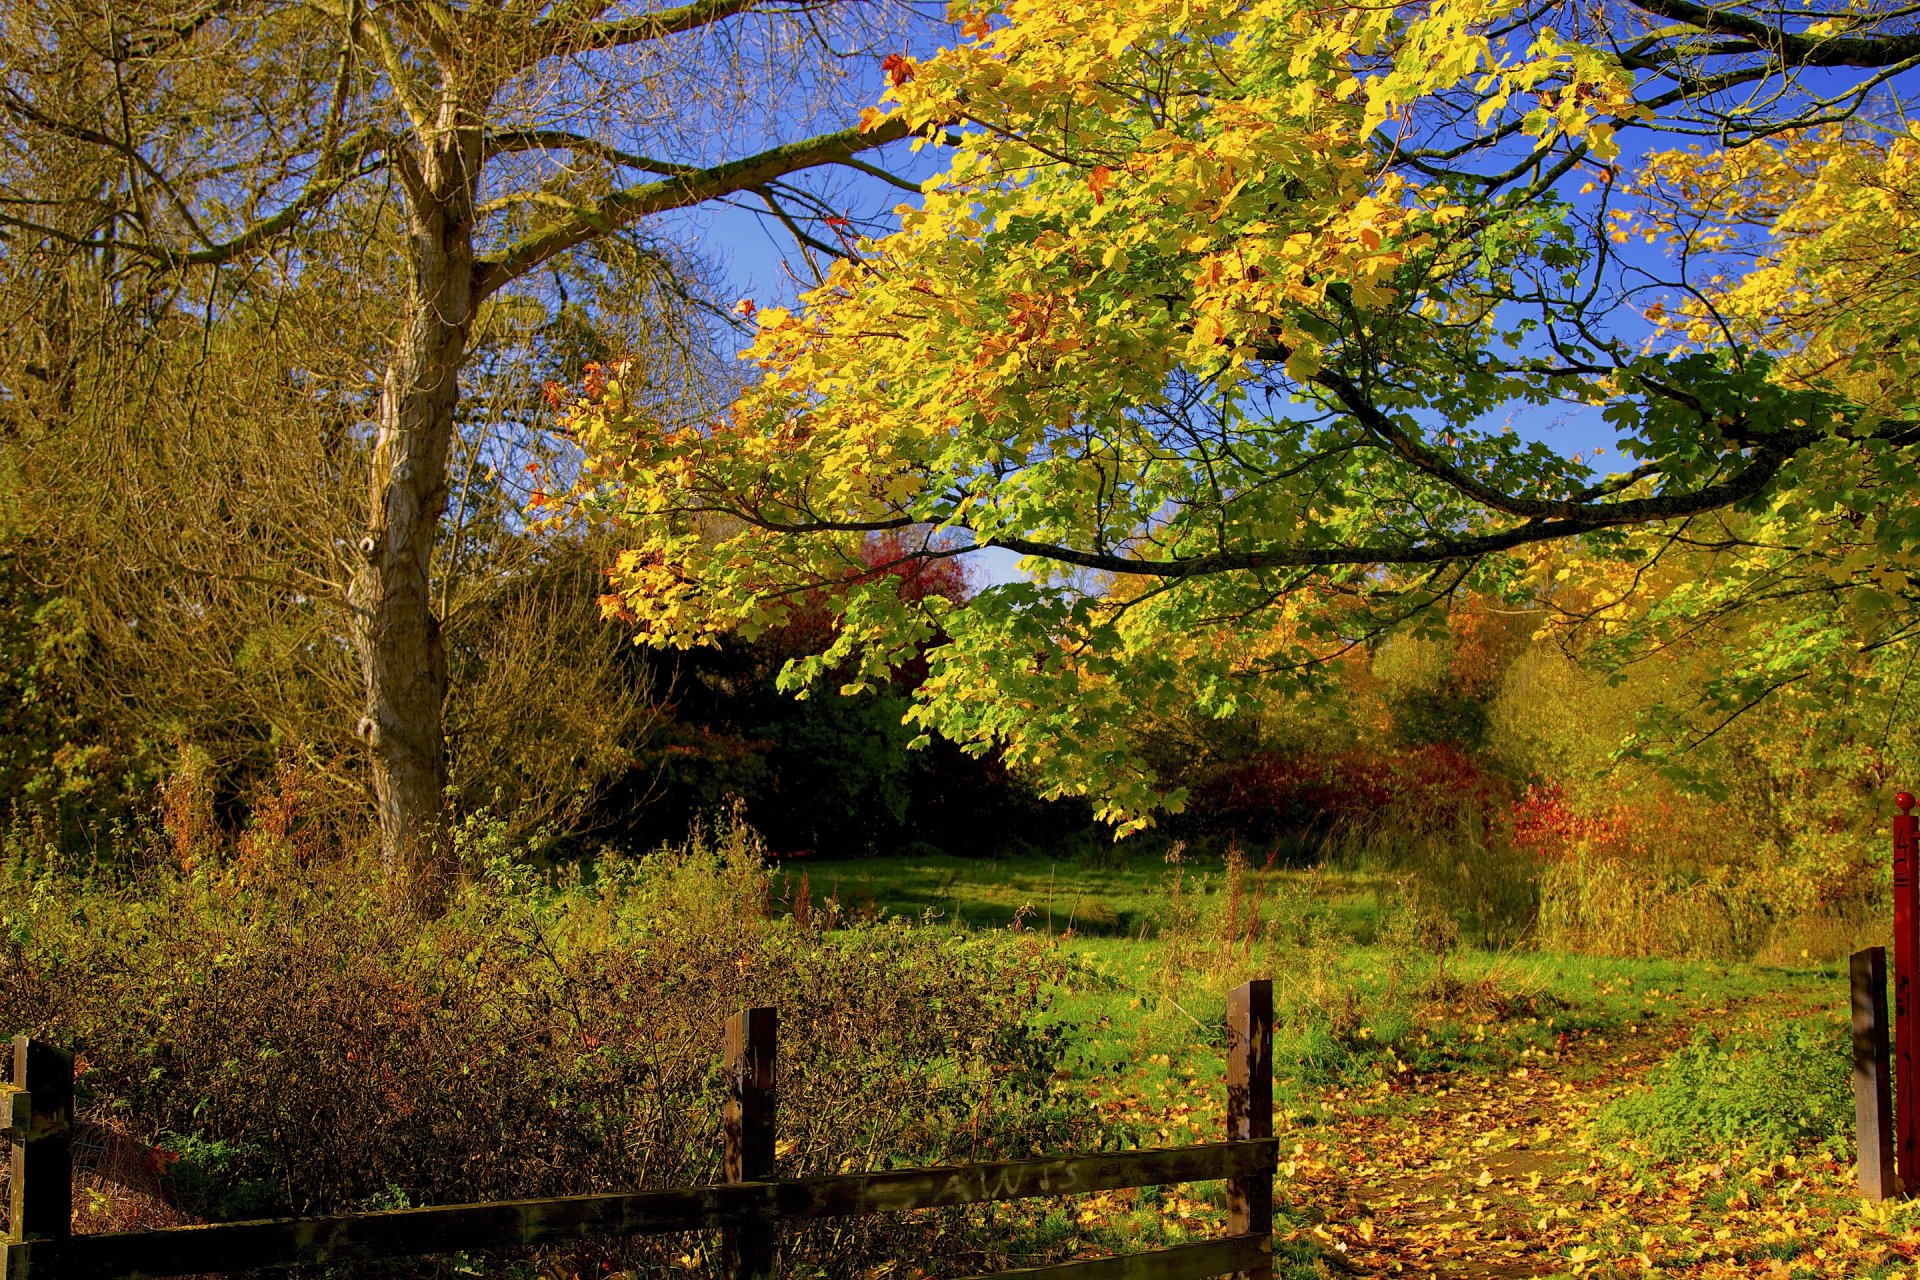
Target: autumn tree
x=150 y=141
x=177 y=531
x=1811 y=253
x=1261 y=307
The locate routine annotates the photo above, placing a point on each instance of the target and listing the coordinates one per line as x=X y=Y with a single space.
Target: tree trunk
x=395 y=630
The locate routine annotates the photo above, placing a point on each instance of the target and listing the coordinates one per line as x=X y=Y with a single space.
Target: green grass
x=1374 y=985
x=1147 y=972
x=1366 y=987
x=1110 y=892
x=1769 y=1093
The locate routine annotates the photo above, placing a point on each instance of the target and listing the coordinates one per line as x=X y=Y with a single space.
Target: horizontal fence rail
x=396 y=1233
x=746 y=1209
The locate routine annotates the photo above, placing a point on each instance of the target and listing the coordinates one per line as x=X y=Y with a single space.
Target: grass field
x=1355 y=979
x=1444 y=1107
x=1451 y=1109
x=1111 y=891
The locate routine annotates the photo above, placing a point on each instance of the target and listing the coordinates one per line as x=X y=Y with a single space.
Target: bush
x=1302 y=803
x=1766 y=1096
x=319 y=1048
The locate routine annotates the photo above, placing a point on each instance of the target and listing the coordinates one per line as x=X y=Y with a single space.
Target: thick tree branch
x=1747 y=482
x=565 y=33
x=507 y=141
x=1578 y=518
x=321 y=188
x=1415 y=452
x=678 y=192
x=1795 y=49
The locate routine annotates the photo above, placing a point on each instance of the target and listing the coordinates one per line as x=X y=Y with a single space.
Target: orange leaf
x=1102 y=179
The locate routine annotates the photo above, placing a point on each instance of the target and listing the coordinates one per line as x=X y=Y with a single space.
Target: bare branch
x=334 y=170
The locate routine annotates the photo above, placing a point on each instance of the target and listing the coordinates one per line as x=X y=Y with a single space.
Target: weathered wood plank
x=403 y=1233
x=1872 y=1085
x=747 y=1246
x=1182 y=1262
x=1250 y=1110
x=16 y=1113
x=42 y=1171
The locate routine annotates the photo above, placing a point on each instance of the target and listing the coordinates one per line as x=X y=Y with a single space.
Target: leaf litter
x=1503 y=1175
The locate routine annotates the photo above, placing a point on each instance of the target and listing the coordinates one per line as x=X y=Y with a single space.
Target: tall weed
x=1614 y=906
x=1458 y=861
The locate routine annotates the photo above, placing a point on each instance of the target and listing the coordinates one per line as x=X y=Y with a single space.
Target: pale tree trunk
x=396 y=632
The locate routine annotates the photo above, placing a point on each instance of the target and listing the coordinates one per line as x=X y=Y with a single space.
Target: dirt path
x=1485 y=1177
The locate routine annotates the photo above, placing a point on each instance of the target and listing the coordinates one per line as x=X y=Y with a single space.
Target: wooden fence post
x=746 y=1247
x=39 y=1123
x=1906 y=942
x=1872 y=1092
x=1250 y=1108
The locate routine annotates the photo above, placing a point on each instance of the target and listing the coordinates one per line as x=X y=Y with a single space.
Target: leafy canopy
x=1240 y=320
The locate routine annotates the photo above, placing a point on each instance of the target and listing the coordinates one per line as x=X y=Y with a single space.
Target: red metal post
x=1906 y=1037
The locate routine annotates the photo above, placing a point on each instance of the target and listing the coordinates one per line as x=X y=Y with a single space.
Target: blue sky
x=758 y=259
x=755 y=257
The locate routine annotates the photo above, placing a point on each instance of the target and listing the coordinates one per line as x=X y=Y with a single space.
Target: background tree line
x=294 y=290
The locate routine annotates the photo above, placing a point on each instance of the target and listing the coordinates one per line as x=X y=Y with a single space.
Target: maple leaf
x=899 y=68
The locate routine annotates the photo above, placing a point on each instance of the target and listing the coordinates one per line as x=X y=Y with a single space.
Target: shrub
x=1767 y=1095
x=1299 y=800
x=318 y=1048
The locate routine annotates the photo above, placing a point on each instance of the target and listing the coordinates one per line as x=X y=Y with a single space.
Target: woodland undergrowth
x=272 y=1037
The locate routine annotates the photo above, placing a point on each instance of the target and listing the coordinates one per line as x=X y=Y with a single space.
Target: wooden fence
x=1872 y=1075
x=37 y=1108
